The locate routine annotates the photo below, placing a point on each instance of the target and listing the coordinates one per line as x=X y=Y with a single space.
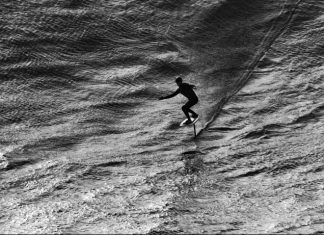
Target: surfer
x=186 y=90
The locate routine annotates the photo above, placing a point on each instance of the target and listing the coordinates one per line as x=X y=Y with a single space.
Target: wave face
x=87 y=147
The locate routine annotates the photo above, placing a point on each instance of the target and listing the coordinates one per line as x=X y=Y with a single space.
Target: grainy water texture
x=87 y=147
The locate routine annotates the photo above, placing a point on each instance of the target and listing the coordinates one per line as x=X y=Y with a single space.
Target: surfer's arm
x=170 y=96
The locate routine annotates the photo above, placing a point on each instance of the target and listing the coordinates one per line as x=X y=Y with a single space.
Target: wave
x=80 y=82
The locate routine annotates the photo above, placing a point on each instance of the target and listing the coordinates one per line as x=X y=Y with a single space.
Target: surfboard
x=192 y=119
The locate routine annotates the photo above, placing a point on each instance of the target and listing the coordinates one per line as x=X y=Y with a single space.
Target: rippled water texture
x=87 y=147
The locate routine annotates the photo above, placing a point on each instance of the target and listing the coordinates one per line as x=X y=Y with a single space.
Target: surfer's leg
x=194 y=115
x=190 y=104
x=185 y=110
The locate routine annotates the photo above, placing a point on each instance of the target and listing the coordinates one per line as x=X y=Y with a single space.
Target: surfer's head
x=178 y=80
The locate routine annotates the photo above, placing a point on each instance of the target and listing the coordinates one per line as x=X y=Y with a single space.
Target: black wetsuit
x=186 y=90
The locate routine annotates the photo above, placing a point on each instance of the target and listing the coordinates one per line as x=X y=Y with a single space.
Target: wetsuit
x=186 y=90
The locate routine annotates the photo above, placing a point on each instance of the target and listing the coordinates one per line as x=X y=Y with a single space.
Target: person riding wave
x=186 y=90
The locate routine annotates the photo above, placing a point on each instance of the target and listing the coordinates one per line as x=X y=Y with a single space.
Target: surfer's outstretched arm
x=170 y=96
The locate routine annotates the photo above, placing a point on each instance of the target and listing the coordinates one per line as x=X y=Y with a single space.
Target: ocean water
x=87 y=147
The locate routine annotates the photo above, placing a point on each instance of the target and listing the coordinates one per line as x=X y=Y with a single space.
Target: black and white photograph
x=161 y=117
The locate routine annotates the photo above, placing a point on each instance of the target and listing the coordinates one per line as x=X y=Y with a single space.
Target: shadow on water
x=193 y=162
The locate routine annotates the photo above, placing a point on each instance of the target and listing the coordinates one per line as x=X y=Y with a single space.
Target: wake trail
x=267 y=41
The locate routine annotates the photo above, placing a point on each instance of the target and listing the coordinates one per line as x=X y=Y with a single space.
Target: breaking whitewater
x=87 y=147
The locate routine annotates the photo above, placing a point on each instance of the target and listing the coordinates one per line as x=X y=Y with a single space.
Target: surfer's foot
x=195 y=116
x=188 y=122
